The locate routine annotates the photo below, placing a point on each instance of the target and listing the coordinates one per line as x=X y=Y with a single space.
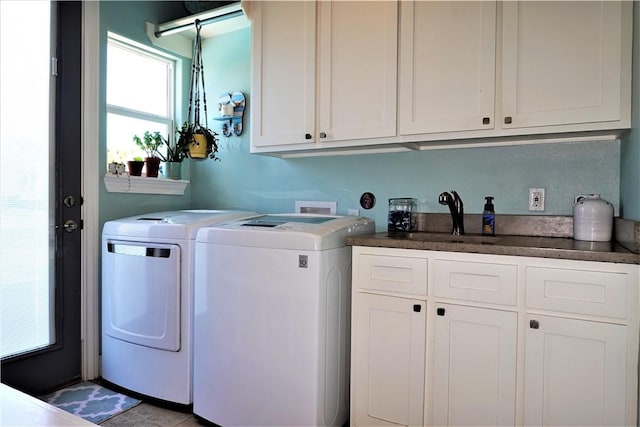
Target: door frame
x=90 y=290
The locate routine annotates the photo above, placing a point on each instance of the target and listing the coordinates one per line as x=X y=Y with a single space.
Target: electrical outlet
x=536 y=199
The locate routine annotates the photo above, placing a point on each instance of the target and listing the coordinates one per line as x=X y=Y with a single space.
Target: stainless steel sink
x=448 y=238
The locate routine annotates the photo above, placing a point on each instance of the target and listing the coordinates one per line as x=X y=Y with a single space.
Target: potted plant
x=172 y=160
x=201 y=141
x=135 y=166
x=149 y=143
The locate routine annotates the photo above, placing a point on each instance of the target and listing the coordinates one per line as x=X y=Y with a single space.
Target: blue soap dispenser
x=488 y=217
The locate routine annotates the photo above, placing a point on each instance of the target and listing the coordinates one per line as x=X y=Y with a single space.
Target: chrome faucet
x=457 y=210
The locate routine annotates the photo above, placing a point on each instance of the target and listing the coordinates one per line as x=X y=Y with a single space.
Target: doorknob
x=69 y=226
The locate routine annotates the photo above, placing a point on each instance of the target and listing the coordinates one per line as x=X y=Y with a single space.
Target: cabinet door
x=474 y=367
x=283 y=72
x=357 y=69
x=387 y=362
x=575 y=372
x=562 y=62
x=447 y=66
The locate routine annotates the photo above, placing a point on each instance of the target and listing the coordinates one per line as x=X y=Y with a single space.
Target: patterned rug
x=90 y=401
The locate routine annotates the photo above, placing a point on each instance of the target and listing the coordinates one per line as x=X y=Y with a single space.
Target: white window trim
x=143 y=185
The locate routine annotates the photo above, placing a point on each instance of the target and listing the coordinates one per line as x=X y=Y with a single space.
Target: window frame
x=127 y=184
x=144 y=50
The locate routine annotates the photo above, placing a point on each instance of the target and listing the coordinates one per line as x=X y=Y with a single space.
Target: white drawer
x=598 y=293
x=394 y=274
x=475 y=281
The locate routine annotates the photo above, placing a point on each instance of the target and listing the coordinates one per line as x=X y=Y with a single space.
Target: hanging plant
x=201 y=142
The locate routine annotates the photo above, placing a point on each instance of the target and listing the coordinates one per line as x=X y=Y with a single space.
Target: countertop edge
x=619 y=254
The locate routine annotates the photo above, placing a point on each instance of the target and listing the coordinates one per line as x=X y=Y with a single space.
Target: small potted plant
x=149 y=143
x=172 y=160
x=135 y=166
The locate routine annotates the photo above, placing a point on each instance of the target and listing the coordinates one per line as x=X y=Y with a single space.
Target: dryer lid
x=181 y=224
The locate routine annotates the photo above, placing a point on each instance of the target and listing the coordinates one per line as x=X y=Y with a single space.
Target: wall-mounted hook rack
x=231 y=113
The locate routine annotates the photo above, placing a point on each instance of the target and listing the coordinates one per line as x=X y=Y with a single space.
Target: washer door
x=141 y=287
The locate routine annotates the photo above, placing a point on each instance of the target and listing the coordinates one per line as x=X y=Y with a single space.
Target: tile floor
x=148 y=415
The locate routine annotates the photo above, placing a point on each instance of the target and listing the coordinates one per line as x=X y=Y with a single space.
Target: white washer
x=147 y=294
x=271 y=334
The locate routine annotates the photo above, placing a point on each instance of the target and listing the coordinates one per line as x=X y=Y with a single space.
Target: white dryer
x=147 y=301
x=271 y=334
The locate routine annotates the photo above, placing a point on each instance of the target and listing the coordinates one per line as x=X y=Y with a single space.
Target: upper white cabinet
x=540 y=67
x=323 y=71
x=563 y=63
x=283 y=72
x=447 y=64
x=339 y=76
x=357 y=69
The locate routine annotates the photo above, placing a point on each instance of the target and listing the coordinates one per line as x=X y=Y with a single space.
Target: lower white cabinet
x=474 y=366
x=388 y=336
x=575 y=372
x=492 y=340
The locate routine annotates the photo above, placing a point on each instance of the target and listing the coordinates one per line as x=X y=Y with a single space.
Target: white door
x=574 y=372
x=561 y=62
x=283 y=73
x=474 y=367
x=357 y=69
x=447 y=66
x=387 y=363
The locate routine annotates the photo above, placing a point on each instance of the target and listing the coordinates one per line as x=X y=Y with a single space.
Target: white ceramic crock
x=592 y=219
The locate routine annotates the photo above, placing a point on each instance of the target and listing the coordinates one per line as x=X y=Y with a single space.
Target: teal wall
x=630 y=149
x=261 y=183
x=266 y=184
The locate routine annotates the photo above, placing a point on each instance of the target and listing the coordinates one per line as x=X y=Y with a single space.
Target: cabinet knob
x=323 y=135
x=307 y=136
x=440 y=311
x=486 y=120
x=534 y=324
x=508 y=120
x=417 y=308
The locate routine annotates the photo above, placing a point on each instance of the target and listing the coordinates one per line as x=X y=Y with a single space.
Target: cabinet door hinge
x=54 y=66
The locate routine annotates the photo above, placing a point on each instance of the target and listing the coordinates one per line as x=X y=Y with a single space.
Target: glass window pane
x=120 y=132
x=26 y=194
x=137 y=81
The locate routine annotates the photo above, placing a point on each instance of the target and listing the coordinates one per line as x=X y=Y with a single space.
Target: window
x=140 y=96
x=27 y=243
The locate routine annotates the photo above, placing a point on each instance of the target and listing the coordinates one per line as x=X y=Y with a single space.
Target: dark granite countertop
x=543 y=247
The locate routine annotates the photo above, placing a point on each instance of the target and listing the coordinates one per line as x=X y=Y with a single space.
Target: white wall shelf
x=144 y=185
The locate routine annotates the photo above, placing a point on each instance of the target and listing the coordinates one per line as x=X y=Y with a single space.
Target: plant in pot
x=172 y=160
x=135 y=166
x=201 y=142
x=149 y=143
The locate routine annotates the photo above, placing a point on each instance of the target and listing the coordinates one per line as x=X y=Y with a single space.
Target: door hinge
x=54 y=66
